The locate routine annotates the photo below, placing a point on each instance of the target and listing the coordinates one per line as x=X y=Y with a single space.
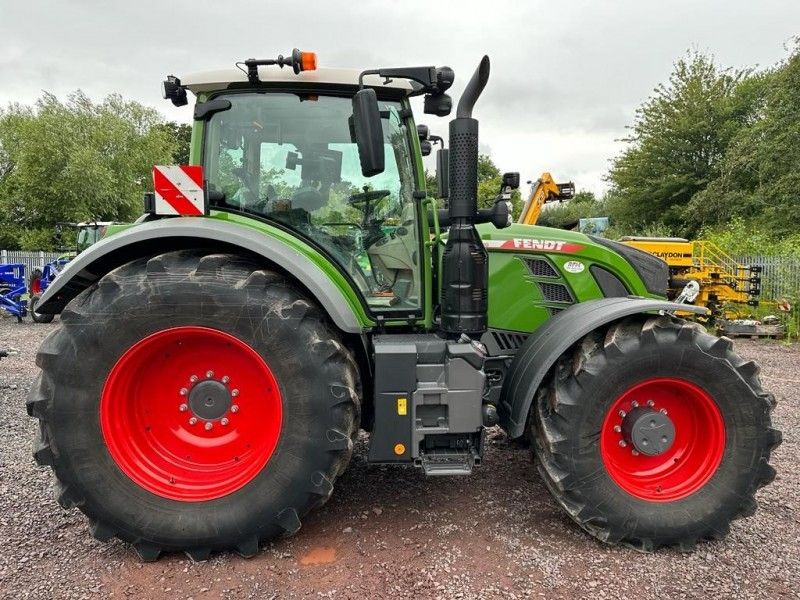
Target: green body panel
x=515 y=298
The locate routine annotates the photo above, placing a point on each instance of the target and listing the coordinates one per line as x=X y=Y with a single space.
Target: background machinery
x=723 y=282
x=215 y=361
x=13 y=293
x=544 y=190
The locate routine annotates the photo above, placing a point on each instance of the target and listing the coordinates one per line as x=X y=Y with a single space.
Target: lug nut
x=235 y=408
x=208 y=426
x=223 y=421
x=635 y=452
x=617 y=428
x=193 y=378
x=622 y=413
x=225 y=379
x=209 y=373
x=193 y=421
x=634 y=404
x=622 y=443
x=650 y=403
x=234 y=393
x=183 y=407
x=184 y=391
x=663 y=411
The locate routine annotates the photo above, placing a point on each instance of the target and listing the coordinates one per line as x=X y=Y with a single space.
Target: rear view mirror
x=368 y=132
x=443 y=172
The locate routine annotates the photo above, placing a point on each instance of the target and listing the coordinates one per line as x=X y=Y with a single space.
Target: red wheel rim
x=691 y=459
x=191 y=413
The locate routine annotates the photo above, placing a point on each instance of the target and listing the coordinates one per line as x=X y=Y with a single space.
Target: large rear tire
x=194 y=402
x=594 y=421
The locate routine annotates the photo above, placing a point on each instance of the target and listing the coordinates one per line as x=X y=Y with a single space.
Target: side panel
x=323 y=280
x=542 y=348
x=536 y=272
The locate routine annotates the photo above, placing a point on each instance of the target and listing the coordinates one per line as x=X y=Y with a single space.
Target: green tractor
x=216 y=359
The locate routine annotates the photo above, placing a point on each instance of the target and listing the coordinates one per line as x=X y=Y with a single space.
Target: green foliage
x=181 y=134
x=76 y=160
x=489 y=181
x=566 y=214
x=714 y=152
x=743 y=238
x=678 y=140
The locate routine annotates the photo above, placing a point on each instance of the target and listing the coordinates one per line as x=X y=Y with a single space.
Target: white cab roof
x=217 y=80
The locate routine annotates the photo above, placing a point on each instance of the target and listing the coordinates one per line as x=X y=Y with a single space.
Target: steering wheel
x=368 y=196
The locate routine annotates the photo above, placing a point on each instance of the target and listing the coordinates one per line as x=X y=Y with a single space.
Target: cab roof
x=208 y=81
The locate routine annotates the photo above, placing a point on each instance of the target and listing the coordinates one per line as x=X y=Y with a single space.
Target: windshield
x=290 y=158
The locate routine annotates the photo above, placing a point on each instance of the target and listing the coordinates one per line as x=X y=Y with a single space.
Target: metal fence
x=31 y=260
x=780 y=276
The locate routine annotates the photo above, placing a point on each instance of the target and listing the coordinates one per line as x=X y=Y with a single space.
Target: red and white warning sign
x=179 y=190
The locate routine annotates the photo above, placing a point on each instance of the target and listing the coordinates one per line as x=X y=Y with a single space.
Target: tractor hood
x=652 y=272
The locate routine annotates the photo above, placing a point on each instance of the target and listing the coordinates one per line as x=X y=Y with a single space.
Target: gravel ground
x=390 y=533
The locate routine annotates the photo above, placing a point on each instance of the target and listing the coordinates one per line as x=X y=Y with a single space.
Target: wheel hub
x=650 y=432
x=210 y=400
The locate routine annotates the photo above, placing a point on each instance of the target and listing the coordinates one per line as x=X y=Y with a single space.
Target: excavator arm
x=544 y=190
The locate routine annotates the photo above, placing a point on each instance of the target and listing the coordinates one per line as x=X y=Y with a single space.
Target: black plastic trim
x=609 y=284
x=653 y=271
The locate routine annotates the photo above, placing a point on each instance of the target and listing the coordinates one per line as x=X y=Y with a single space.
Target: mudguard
x=543 y=347
x=170 y=234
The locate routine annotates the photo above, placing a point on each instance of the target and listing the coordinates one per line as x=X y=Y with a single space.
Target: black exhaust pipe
x=465 y=263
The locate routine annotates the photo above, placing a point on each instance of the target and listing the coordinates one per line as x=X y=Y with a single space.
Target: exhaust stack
x=465 y=271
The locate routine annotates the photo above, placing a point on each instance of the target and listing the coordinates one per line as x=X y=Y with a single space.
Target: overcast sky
x=566 y=75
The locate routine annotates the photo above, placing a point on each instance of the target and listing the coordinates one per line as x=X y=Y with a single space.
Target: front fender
x=169 y=234
x=545 y=345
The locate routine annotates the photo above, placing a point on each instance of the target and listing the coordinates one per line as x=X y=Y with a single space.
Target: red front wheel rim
x=191 y=413
x=696 y=448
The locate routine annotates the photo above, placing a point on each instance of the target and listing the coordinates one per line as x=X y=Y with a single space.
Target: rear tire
x=38 y=317
x=235 y=307
x=694 y=488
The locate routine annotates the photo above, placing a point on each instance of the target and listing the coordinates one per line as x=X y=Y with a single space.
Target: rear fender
x=172 y=234
x=545 y=345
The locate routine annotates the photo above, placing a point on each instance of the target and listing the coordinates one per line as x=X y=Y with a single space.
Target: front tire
x=194 y=402
x=35 y=316
x=594 y=421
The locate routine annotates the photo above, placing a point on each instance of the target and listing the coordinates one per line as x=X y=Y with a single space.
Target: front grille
x=506 y=340
x=555 y=292
x=540 y=267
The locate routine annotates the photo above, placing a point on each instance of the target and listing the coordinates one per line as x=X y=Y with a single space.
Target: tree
x=181 y=134
x=77 y=160
x=489 y=182
x=759 y=179
x=678 y=140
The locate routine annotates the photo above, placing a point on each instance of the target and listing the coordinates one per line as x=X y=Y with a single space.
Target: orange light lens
x=399 y=449
x=308 y=61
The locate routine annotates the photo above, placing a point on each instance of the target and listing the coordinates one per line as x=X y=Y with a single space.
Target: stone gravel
x=388 y=532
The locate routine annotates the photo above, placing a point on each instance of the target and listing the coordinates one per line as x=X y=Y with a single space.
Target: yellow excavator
x=544 y=190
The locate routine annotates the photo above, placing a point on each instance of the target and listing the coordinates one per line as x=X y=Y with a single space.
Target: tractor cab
x=281 y=147
x=288 y=157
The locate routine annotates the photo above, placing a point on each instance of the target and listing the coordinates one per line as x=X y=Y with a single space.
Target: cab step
x=449 y=462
